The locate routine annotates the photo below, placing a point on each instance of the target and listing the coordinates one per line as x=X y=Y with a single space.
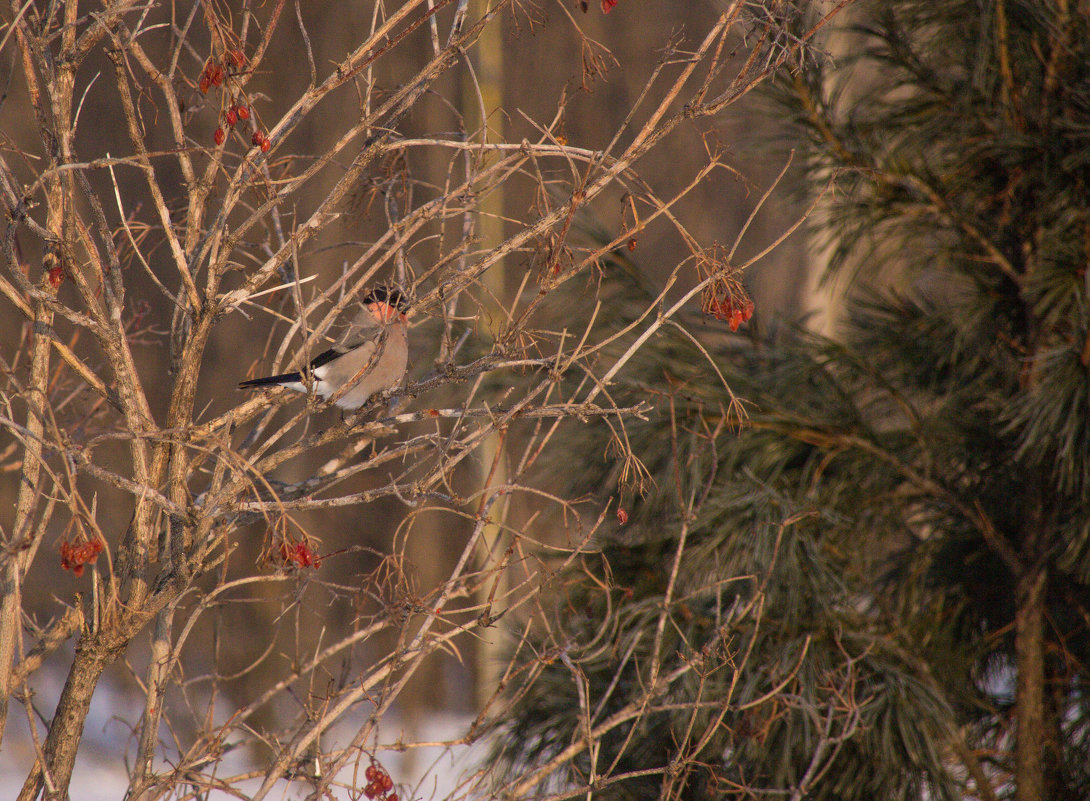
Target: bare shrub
x=194 y=194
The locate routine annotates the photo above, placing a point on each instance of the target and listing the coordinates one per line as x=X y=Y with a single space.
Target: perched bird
x=370 y=356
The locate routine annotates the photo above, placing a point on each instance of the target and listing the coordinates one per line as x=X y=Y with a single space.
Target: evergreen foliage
x=885 y=574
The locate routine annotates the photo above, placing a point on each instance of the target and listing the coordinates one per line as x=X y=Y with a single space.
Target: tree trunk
x=66 y=728
x=1029 y=645
x=1055 y=705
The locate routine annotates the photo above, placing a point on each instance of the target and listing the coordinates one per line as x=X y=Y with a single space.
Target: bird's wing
x=325 y=357
x=350 y=366
x=362 y=330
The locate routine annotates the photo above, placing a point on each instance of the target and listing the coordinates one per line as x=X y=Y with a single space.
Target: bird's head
x=386 y=304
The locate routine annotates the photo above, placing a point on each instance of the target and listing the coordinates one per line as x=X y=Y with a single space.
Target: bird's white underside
x=321 y=388
x=324 y=390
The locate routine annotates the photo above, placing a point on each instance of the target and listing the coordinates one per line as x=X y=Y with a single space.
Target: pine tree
x=896 y=544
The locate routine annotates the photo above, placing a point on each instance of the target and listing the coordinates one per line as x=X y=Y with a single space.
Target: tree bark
x=66 y=728
x=1029 y=644
x=1055 y=703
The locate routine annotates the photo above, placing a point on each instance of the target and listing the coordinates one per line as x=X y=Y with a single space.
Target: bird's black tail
x=272 y=380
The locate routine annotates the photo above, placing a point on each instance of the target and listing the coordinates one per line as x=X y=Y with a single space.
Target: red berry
x=391 y=797
x=386 y=782
x=622 y=516
x=219 y=136
x=265 y=145
x=231 y=116
x=206 y=76
x=371 y=773
x=257 y=138
x=720 y=309
x=302 y=555
x=243 y=112
x=372 y=790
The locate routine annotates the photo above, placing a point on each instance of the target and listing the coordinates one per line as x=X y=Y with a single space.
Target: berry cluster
x=735 y=310
x=234 y=113
x=297 y=554
x=75 y=555
x=379 y=784
x=213 y=75
x=607 y=5
x=260 y=140
x=216 y=73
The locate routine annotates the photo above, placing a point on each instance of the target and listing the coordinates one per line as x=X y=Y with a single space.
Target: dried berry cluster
x=75 y=555
x=216 y=73
x=234 y=113
x=260 y=140
x=297 y=554
x=379 y=784
x=607 y=5
x=736 y=310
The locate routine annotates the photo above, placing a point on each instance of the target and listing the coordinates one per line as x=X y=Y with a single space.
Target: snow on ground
x=101 y=774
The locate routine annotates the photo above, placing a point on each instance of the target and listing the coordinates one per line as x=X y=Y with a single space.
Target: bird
x=372 y=355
